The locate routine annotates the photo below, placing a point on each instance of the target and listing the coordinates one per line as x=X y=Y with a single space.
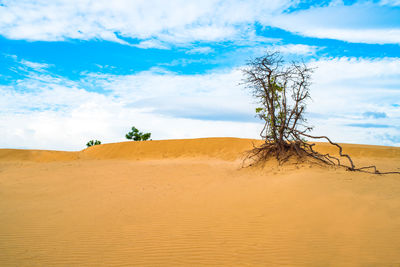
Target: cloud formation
x=52 y=112
x=159 y=24
x=345 y=90
x=363 y=22
x=44 y=110
x=176 y=21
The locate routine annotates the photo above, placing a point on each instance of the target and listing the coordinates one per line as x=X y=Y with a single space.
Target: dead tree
x=282 y=91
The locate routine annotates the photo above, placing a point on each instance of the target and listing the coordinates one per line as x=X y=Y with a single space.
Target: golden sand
x=189 y=203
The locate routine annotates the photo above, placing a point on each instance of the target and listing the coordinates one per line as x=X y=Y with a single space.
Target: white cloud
x=35 y=65
x=360 y=22
x=345 y=88
x=200 y=50
x=152 y=43
x=51 y=112
x=176 y=21
x=72 y=131
x=390 y=2
x=28 y=65
x=158 y=24
x=200 y=96
x=370 y=36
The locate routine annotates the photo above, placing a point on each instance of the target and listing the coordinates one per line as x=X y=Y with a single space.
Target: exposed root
x=303 y=151
x=282 y=90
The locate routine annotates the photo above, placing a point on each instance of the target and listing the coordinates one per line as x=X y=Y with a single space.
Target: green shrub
x=93 y=143
x=135 y=135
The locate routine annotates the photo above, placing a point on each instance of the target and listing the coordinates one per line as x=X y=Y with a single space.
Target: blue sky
x=71 y=71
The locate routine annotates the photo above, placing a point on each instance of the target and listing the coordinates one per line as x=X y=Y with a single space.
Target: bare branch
x=282 y=91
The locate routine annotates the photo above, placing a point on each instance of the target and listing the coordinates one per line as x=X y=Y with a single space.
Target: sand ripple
x=195 y=212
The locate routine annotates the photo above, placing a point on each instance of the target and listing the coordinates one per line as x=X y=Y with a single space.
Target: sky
x=76 y=70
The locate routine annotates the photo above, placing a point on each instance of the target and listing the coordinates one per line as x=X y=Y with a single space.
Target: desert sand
x=189 y=203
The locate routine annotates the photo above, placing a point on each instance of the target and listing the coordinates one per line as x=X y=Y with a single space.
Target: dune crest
x=220 y=148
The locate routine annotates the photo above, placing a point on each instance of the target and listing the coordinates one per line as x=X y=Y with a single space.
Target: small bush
x=135 y=135
x=93 y=143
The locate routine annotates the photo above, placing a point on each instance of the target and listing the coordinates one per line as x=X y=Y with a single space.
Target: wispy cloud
x=152 y=43
x=35 y=65
x=200 y=50
x=363 y=22
x=177 y=21
x=369 y=125
x=158 y=23
x=390 y=2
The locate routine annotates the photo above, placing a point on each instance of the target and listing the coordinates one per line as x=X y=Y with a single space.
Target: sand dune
x=188 y=203
x=221 y=148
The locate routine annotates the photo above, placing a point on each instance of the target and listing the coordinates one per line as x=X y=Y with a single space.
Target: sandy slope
x=188 y=203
